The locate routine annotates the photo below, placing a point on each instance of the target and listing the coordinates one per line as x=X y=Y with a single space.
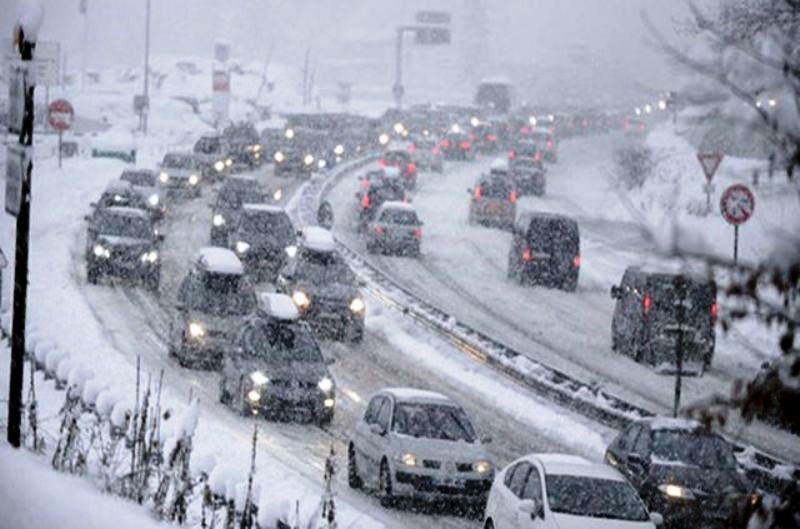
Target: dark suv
x=683 y=472
x=234 y=193
x=645 y=324
x=545 y=250
x=263 y=238
x=377 y=187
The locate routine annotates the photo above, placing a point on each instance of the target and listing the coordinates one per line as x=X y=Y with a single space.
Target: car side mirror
x=637 y=460
x=616 y=292
x=656 y=518
x=180 y=307
x=361 y=283
x=532 y=507
x=377 y=429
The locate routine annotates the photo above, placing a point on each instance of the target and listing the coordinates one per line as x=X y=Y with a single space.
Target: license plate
x=449 y=482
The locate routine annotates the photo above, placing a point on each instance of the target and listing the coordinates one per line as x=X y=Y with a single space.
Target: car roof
x=695 y=276
x=138 y=170
x=318 y=239
x=126 y=211
x=118 y=186
x=417 y=395
x=278 y=306
x=572 y=465
x=669 y=423
x=527 y=217
x=396 y=204
x=262 y=208
x=499 y=164
x=219 y=261
x=239 y=179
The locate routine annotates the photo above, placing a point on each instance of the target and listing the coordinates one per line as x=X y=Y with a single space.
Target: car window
x=398 y=216
x=282 y=343
x=221 y=295
x=498 y=187
x=178 y=161
x=642 y=446
x=519 y=478
x=533 y=487
x=324 y=270
x=693 y=448
x=594 y=498
x=385 y=414
x=275 y=224
x=139 y=178
x=108 y=223
x=628 y=439
x=433 y=421
x=374 y=408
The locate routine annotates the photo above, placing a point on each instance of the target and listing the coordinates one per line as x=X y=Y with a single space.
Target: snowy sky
x=573 y=42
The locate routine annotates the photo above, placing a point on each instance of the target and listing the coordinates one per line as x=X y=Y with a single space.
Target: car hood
x=707 y=481
x=439 y=450
x=262 y=240
x=208 y=158
x=569 y=521
x=179 y=173
x=300 y=371
x=332 y=291
x=146 y=191
x=224 y=324
x=122 y=242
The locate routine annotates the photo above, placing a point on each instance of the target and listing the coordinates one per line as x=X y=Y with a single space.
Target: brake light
x=524 y=130
x=364 y=183
x=537 y=156
x=713 y=310
x=513 y=197
x=491 y=137
x=576 y=261
x=418 y=233
x=647 y=303
x=465 y=144
x=477 y=192
x=512 y=155
x=549 y=144
x=445 y=144
x=411 y=167
x=382 y=163
x=435 y=150
x=365 y=201
x=379 y=230
x=412 y=148
x=526 y=254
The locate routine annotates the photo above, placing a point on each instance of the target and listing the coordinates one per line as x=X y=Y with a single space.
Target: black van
x=645 y=323
x=545 y=250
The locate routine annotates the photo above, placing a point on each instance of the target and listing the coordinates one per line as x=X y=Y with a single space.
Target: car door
x=361 y=436
x=532 y=491
x=371 y=444
x=639 y=459
x=512 y=489
x=621 y=448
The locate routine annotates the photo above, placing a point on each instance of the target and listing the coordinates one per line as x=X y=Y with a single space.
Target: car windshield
x=396 y=157
x=208 y=146
x=699 y=297
x=496 y=187
x=275 y=224
x=223 y=295
x=320 y=268
x=139 y=178
x=550 y=235
x=277 y=342
x=122 y=198
x=232 y=197
x=433 y=421
x=693 y=448
x=399 y=216
x=178 y=161
x=594 y=498
x=124 y=226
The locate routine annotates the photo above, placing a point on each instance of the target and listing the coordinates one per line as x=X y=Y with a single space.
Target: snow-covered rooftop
x=279 y=306
x=499 y=165
x=126 y=211
x=220 y=261
x=573 y=465
x=668 y=423
x=318 y=239
x=118 y=186
x=396 y=204
x=417 y=395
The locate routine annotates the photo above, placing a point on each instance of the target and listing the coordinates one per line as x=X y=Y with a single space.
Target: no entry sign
x=60 y=115
x=737 y=204
x=710 y=162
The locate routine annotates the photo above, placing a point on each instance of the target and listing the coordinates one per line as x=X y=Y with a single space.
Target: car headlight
x=219 y=166
x=383 y=139
x=289 y=134
x=163 y=177
x=196 y=330
x=256 y=147
x=357 y=305
x=300 y=299
x=279 y=157
x=100 y=251
x=258 y=378
x=242 y=247
x=291 y=251
x=193 y=180
x=338 y=150
x=308 y=160
x=321 y=164
x=278 y=194
x=328 y=403
x=218 y=220
x=150 y=257
x=253 y=396
x=408 y=459
x=153 y=200
x=326 y=384
x=228 y=162
x=673 y=491
x=482 y=467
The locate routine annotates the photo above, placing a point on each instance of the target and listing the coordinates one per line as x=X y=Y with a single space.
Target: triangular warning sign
x=710 y=162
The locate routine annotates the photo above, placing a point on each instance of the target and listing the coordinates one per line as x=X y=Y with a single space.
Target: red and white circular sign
x=737 y=204
x=60 y=114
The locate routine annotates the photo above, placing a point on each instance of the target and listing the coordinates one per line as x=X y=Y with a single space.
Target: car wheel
x=224 y=394
x=153 y=281
x=489 y=525
x=357 y=335
x=570 y=284
x=385 y=485
x=92 y=275
x=353 y=479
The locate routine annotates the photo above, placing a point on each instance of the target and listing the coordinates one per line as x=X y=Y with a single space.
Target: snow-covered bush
x=634 y=164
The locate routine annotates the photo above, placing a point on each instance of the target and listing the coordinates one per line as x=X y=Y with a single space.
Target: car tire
x=385 y=485
x=357 y=335
x=153 y=281
x=224 y=394
x=488 y=525
x=354 y=481
x=570 y=284
x=92 y=275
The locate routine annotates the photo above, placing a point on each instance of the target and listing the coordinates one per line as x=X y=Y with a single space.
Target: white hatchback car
x=555 y=491
x=418 y=444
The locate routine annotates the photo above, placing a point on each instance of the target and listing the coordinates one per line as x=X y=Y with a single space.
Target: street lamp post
x=146 y=106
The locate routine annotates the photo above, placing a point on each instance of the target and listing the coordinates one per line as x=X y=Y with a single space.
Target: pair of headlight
x=150 y=257
x=100 y=251
x=259 y=379
x=410 y=460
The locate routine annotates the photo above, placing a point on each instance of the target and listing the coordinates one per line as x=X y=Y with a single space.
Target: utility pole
x=680 y=315
x=25 y=49
x=146 y=106
x=397 y=89
x=83 y=8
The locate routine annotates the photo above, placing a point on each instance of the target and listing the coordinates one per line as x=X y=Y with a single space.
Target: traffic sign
x=431 y=36
x=432 y=17
x=16 y=96
x=18 y=158
x=60 y=115
x=737 y=204
x=710 y=162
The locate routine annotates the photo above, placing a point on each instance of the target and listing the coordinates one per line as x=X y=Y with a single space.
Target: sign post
x=433 y=31
x=60 y=116
x=709 y=161
x=737 y=205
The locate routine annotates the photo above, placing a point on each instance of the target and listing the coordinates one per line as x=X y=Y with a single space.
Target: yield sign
x=710 y=162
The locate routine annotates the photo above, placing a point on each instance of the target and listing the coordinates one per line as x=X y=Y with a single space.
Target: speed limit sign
x=737 y=205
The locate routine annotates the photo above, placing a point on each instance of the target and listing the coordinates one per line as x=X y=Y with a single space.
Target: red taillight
x=647 y=303
x=537 y=156
x=435 y=151
x=576 y=261
x=713 y=310
x=412 y=148
x=472 y=135
x=512 y=155
x=477 y=192
x=365 y=201
x=526 y=254
x=379 y=230
x=418 y=233
x=411 y=167
x=641 y=127
x=465 y=145
x=524 y=130
x=491 y=137
x=550 y=144
x=513 y=197
x=382 y=163
x=445 y=144
x=364 y=183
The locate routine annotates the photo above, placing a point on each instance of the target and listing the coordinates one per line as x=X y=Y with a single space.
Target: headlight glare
x=228 y=162
x=482 y=467
x=291 y=251
x=326 y=384
x=339 y=150
x=242 y=247
x=218 y=220
x=253 y=396
x=357 y=306
x=153 y=200
x=408 y=459
x=196 y=330
x=676 y=491
x=163 y=177
x=99 y=251
x=150 y=257
x=219 y=166
x=279 y=157
x=300 y=299
x=278 y=194
x=308 y=160
x=321 y=164
x=259 y=378
x=193 y=179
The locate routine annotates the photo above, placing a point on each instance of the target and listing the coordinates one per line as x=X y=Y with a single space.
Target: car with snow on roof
x=685 y=472
x=555 y=491
x=416 y=444
x=214 y=300
x=122 y=242
x=180 y=174
x=264 y=238
x=396 y=228
x=323 y=287
x=275 y=368
x=118 y=193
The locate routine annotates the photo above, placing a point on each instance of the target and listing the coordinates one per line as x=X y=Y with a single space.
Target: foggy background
x=564 y=52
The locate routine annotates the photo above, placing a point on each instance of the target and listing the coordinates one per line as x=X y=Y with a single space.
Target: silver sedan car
x=414 y=444
x=396 y=228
